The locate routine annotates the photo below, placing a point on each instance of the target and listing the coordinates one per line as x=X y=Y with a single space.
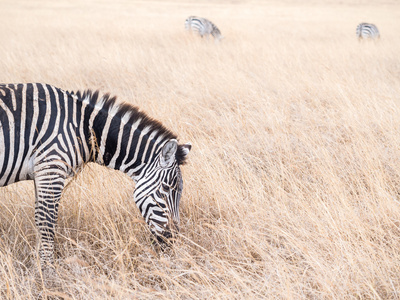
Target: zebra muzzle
x=169 y=234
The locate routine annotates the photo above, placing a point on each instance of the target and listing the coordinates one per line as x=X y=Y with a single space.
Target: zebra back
x=203 y=27
x=367 y=31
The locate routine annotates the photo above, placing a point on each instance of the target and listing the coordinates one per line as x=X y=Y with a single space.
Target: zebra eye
x=165 y=187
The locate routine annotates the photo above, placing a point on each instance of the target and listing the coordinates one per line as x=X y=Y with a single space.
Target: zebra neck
x=119 y=135
x=123 y=145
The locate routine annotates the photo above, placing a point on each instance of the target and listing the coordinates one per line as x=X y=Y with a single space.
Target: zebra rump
x=367 y=31
x=203 y=27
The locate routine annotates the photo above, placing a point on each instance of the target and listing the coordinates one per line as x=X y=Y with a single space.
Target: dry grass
x=292 y=187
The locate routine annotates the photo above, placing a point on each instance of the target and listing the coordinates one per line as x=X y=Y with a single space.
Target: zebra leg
x=48 y=186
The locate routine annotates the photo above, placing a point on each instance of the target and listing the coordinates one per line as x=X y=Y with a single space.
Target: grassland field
x=292 y=188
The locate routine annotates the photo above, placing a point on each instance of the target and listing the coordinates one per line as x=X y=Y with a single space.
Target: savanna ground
x=292 y=189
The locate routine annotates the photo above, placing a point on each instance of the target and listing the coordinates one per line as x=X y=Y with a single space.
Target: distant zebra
x=47 y=134
x=203 y=27
x=367 y=31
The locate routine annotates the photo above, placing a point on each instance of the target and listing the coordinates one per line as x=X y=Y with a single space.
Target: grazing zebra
x=367 y=31
x=47 y=134
x=203 y=27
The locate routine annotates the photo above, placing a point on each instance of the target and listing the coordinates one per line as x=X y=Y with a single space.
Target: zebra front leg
x=49 y=187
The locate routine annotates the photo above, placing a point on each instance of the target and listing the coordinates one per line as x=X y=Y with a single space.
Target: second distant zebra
x=367 y=31
x=203 y=27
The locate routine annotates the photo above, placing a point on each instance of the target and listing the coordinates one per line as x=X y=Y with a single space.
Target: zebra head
x=158 y=190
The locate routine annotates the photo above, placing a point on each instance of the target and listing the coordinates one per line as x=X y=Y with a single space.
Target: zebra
x=203 y=27
x=367 y=31
x=48 y=134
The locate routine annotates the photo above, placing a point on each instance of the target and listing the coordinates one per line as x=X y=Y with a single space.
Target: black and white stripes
x=47 y=134
x=203 y=27
x=367 y=31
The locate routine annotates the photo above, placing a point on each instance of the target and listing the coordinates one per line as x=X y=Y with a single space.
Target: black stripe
x=53 y=113
x=42 y=104
x=4 y=122
x=149 y=149
x=98 y=126
x=17 y=129
x=124 y=142
x=111 y=140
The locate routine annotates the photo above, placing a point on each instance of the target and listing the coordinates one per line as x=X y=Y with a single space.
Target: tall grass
x=292 y=186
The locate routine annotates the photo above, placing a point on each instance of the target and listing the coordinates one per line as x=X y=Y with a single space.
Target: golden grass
x=292 y=187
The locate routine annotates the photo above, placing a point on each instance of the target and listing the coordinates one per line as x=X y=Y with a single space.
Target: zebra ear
x=168 y=153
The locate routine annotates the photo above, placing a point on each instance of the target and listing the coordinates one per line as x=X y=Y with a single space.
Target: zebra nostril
x=167 y=234
x=167 y=237
x=164 y=240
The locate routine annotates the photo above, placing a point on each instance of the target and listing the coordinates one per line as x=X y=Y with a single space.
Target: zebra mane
x=181 y=155
x=129 y=114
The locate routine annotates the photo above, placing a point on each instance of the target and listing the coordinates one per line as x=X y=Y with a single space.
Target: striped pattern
x=367 y=31
x=203 y=27
x=48 y=134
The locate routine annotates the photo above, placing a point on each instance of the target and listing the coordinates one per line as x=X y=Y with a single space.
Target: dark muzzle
x=168 y=236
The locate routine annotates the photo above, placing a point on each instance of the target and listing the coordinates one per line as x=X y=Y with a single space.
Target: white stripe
x=74 y=110
x=13 y=98
x=75 y=148
x=104 y=135
x=68 y=148
x=61 y=141
x=142 y=133
x=81 y=130
x=35 y=113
